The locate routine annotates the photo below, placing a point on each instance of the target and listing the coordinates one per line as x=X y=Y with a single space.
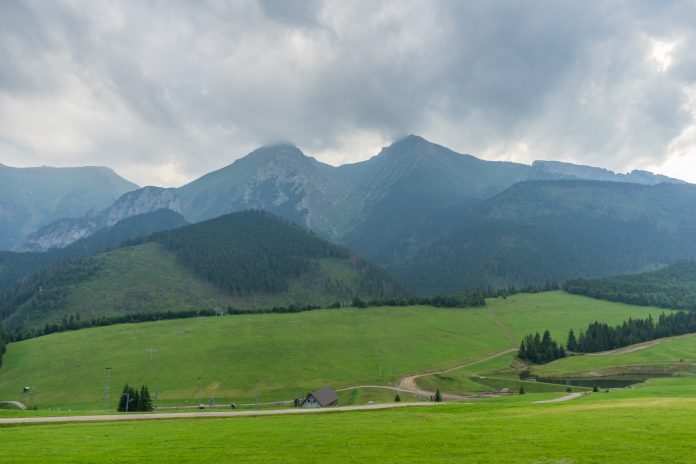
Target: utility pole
x=198 y=391
x=107 y=387
x=152 y=351
x=156 y=396
x=257 y=396
x=127 y=400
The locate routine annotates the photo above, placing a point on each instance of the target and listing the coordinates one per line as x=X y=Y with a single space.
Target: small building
x=320 y=398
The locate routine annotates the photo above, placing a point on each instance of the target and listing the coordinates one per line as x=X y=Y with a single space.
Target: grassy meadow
x=672 y=355
x=653 y=423
x=282 y=356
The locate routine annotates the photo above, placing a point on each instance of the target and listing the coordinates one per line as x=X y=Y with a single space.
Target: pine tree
x=123 y=399
x=397 y=398
x=572 y=344
x=145 y=400
x=522 y=392
x=438 y=396
x=522 y=353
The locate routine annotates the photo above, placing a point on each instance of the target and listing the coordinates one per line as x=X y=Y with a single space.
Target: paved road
x=189 y=415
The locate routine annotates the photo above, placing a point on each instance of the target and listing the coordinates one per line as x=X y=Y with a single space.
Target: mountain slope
x=244 y=260
x=15 y=266
x=279 y=179
x=63 y=232
x=33 y=197
x=555 y=230
x=556 y=170
x=673 y=286
x=407 y=190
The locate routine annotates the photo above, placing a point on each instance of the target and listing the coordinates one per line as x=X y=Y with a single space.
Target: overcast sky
x=166 y=91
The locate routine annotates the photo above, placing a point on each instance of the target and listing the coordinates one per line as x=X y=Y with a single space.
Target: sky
x=165 y=91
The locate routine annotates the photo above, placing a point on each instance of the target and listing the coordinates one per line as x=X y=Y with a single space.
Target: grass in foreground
x=655 y=423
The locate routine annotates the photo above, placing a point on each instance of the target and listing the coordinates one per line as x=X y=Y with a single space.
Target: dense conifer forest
x=672 y=287
x=249 y=252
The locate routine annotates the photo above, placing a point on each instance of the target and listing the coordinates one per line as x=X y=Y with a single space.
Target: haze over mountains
x=33 y=197
x=439 y=220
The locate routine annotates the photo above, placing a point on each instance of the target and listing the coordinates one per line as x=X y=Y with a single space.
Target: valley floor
x=653 y=423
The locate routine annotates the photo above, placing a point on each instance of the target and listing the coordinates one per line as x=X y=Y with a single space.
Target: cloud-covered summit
x=165 y=91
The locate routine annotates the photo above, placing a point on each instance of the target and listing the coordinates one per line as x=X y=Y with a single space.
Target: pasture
x=282 y=356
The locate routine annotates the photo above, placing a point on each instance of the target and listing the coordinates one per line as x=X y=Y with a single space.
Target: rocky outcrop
x=63 y=232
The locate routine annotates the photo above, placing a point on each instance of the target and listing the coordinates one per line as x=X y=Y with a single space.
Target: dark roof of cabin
x=324 y=396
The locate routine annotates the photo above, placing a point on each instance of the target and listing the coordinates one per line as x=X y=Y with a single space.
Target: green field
x=284 y=355
x=654 y=423
x=672 y=355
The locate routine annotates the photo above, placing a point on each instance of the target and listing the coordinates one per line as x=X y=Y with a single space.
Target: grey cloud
x=197 y=84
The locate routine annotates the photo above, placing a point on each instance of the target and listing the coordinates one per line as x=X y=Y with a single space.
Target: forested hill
x=540 y=231
x=673 y=286
x=16 y=266
x=242 y=261
x=255 y=252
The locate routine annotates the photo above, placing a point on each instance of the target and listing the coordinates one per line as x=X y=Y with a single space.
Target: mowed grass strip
x=642 y=428
x=282 y=355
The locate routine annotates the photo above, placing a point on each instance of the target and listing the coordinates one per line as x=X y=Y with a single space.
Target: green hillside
x=284 y=355
x=673 y=286
x=557 y=230
x=663 y=356
x=15 y=266
x=242 y=260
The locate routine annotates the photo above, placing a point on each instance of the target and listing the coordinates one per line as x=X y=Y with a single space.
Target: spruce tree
x=122 y=401
x=522 y=392
x=438 y=396
x=145 y=399
x=572 y=344
x=397 y=398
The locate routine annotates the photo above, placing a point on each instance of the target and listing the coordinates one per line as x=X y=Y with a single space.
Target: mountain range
x=438 y=220
x=34 y=197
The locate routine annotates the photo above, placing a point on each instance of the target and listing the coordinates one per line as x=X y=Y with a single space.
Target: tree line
x=132 y=399
x=459 y=300
x=672 y=287
x=74 y=321
x=599 y=336
x=540 y=349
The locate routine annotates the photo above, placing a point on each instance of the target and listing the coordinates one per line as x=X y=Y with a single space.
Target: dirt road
x=569 y=397
x=16 y=404
x=409 y=384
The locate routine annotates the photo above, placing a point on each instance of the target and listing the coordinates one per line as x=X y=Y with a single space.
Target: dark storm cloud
x=165 y=91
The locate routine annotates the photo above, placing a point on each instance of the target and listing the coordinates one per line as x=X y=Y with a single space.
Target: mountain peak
x=279 y=151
